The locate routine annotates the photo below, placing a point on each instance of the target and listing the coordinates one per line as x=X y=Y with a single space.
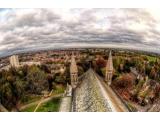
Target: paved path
x=42 y=101
x=2 y=108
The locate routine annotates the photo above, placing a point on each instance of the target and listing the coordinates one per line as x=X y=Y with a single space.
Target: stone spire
x=73 y=72
x=109 y=70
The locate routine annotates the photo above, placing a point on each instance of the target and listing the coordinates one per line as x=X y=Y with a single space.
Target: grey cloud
x=44 y=27
x=37 y=19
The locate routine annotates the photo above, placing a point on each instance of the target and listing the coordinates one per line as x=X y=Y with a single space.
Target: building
x=109 y=70
x=14 y=61
x=89 y=92
x=73 y=72
x=68 y=91
x=29 y=63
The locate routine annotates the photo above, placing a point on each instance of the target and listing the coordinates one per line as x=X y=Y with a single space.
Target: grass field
x=59 y=89
x=50 y=106
x=150 y=58
x=29 y=109
x=30 y=98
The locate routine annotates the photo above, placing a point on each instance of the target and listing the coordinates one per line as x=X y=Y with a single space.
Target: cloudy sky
x=34 y=29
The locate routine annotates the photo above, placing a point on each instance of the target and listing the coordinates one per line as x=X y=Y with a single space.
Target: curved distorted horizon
x=79 y=60
x=36 y=29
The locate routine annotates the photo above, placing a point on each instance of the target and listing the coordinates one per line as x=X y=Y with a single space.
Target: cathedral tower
x=73 y=72
x=109 y=70
x=14 y=61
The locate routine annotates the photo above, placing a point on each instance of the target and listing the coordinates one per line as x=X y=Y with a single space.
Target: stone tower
x=73 y=72
x=109 y=70
x=14 y=61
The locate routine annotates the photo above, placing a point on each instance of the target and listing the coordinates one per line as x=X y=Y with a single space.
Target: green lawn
x=30 y=98
x=50 y=106
x=150 y=58
x=131 y=107
x=59 y=89
x=29 y=109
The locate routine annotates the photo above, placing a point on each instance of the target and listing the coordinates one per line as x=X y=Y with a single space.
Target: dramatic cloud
x=34 y=29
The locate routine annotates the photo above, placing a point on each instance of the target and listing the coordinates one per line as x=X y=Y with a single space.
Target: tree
x=116 y=63
x=153 y=73
x=18 y=90
x=101 y=62
x=37 y=80
x=50 y=79
x=45 y=68
x=125 y=81
x=6 y=95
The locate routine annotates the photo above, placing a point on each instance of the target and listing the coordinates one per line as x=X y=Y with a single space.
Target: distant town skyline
x=38 y=29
